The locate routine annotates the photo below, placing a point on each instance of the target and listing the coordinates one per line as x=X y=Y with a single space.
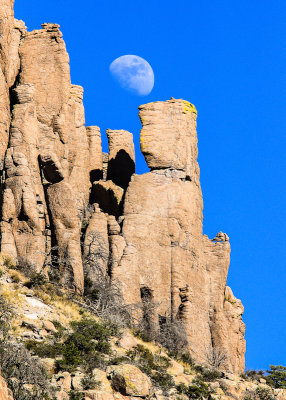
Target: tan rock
x=49 y=364
x=49 y=326
x=63 y=380
x=127 y=341
x=5 y=393
x=95 y=153
x=67 y=230
x=175 y=368
x=108 y=196
x=184 y=271
x=121 y=163
x=48 y=124
x=105 y=384
x=168 y=138
x=105 y=158
x=129 y=380
x=96 y=245
x=62 y=395
x=144 y=231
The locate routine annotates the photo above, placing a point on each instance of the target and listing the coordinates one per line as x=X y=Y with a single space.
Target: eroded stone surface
x=5 y=393
x=165 y=245
x=62 y=195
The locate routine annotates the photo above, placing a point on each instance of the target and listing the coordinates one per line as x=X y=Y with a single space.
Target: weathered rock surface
x=165 y=244
x=121 y=163
x=5 y=393
x=129 y=380
x=63 y=199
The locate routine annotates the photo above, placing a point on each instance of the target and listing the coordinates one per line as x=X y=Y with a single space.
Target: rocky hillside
x=63 y=201
x=55 y=347
x=108 y=286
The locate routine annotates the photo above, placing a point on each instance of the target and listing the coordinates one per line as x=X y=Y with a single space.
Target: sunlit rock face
x=63 y=199
x=166 y=250
x=5 y=393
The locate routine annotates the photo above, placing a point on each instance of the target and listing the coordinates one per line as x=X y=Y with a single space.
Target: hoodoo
x=59 y=194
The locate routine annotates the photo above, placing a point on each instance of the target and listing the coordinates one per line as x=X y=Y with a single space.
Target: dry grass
x=7 y=261
x=65 y=311
x=17 y=276
x=12 y=293
x=43 y=295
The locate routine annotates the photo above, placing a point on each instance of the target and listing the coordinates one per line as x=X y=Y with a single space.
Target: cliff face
x=61 y=196
x=5 y=393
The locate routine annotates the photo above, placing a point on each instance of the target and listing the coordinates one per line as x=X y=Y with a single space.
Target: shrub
x=172 y=335
x=36 y=280
x=75 y=395
x=19 y=369
x=6 y=315
x=85 y=346
x=187 y=359
x=89 y=382
x=216 y=358
x=264 y=393
x=277 y=376
x=249 y=396
x=198 y=390
x=8 y=261
x=210 y=375
x=253 y=375
x=16 y=276
x=154 y=365
x=104 y=299
x=164 y=380
x=44 y=350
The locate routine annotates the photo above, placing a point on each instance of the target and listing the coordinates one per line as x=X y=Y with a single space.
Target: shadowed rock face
x=61 y=194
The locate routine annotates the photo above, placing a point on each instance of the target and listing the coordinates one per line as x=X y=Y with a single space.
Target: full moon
x=133 y=73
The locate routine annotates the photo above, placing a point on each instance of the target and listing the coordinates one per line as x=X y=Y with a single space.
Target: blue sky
x=229 y=59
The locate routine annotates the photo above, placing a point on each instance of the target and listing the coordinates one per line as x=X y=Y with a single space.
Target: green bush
x=20 y=369
x=44 y=350
x=89 y=382
x=264 y=393
x=164 y=380
x=198 y=390
x=75 y=395
x=253 y=375
x=277 y=376
x=86 y=345
x=36 y=280
x=187 y=359
x=210 y=375
x=154 y=365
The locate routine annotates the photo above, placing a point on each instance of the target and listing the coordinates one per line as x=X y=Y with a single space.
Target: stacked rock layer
x=60 y=195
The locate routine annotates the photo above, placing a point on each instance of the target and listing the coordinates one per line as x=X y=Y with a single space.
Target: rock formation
x=5 y=393
x=61 y=196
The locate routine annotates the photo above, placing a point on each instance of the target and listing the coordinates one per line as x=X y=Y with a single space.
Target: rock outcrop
x=63 y=199
x=165 y=244
x=5 y=393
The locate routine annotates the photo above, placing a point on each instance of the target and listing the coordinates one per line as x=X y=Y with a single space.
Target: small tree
x=25 y=375
x=173 y=337
x=277 y=376
x=215 y=357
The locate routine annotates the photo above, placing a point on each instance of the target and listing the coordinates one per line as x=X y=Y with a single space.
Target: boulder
x=129 y=380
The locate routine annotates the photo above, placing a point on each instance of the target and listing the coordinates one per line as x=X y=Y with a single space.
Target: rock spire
x=61 y=196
